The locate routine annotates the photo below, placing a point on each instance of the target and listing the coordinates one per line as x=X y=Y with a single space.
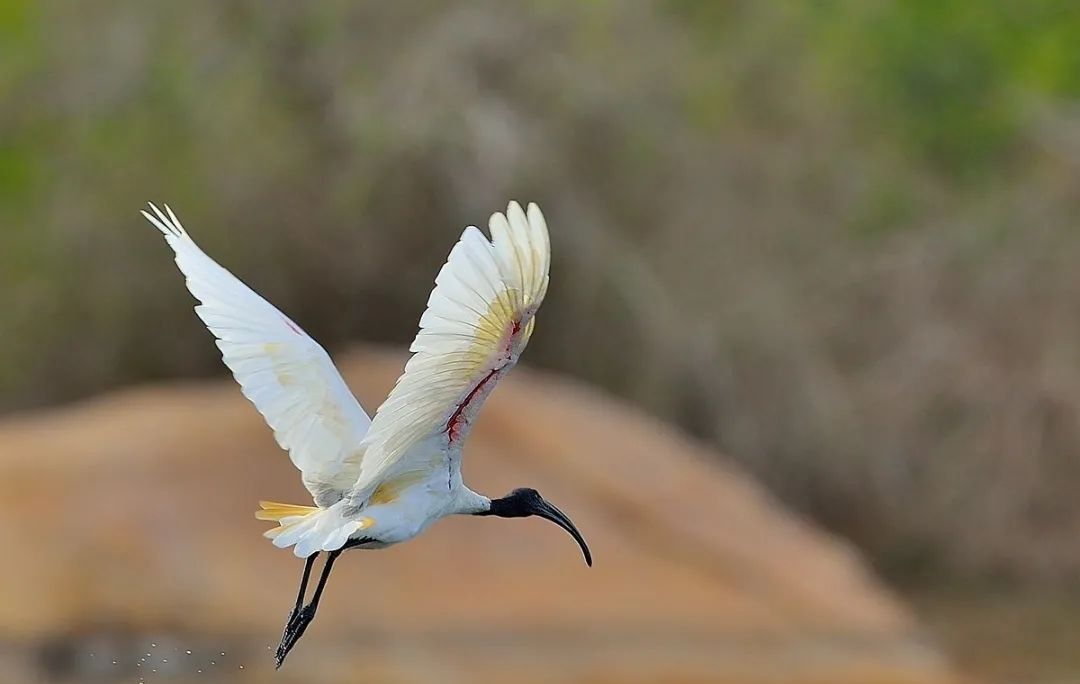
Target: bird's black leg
x=300 y=595
x=298 y=624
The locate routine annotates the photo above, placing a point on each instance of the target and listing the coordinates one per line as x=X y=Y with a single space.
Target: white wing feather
x=283 y=371
x=478 y=320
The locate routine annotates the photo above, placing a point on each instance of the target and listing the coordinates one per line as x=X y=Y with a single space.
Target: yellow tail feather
x=309 y=528
x=275 y=512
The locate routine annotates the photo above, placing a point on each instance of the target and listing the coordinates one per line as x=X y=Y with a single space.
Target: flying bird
x=383 y=480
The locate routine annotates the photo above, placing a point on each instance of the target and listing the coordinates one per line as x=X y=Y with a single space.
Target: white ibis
x=378 y=482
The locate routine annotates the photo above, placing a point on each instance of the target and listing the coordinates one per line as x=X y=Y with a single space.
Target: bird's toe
x=297 y=625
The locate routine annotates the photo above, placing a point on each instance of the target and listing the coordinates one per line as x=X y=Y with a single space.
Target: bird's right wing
x=479 y=319
x=284 y=372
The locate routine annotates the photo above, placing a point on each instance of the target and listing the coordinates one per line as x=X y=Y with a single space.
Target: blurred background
x=835 y=240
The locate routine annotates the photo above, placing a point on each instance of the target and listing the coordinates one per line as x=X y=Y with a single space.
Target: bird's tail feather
x=307 y=528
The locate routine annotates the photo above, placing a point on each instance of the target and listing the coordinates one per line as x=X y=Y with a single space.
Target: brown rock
x=128 y=522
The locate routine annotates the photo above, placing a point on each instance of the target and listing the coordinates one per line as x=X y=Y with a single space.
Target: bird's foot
x=294 y=629
x=290 y=622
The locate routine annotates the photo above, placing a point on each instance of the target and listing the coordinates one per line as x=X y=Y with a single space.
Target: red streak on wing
x=292 y=326
x=453 y=426
x=514 y=330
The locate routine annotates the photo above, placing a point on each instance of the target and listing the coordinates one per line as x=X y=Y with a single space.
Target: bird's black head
x=525 y=502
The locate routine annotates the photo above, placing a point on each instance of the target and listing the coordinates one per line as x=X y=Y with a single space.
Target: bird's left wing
x=478 y=320
x=284 y=372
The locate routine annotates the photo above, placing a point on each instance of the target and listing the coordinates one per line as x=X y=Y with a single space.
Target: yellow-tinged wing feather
x=284 y=372
x=478 y=320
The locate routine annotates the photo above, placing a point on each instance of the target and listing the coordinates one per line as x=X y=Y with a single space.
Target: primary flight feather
x=377 y=482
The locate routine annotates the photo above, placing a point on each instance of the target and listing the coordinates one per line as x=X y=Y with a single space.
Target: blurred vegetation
x=837 y=238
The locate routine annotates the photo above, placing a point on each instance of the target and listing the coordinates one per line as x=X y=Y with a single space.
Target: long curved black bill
x=548 y=511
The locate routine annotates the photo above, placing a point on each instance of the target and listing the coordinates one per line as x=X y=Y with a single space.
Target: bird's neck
x=510 y=506
x=468 y=502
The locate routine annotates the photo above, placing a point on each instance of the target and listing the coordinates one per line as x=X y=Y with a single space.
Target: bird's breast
x=409 y=511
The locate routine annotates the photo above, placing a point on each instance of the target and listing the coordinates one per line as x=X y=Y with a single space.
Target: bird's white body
x=382 y=480
x=415 y=508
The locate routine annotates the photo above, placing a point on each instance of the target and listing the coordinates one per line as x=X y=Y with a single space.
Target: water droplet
x=188 y=652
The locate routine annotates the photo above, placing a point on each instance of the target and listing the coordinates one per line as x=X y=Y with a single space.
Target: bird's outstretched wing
x=284 y=372
x=478 y=320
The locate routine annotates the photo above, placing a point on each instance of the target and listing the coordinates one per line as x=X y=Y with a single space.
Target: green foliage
x=949 y=83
